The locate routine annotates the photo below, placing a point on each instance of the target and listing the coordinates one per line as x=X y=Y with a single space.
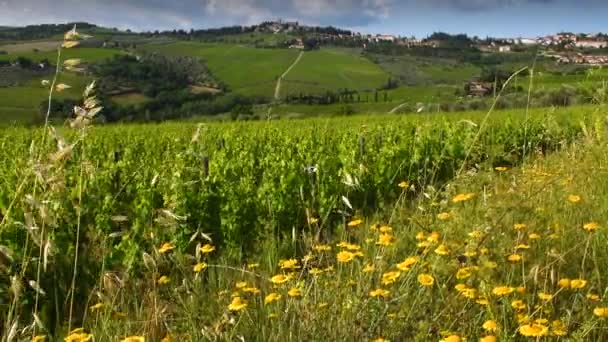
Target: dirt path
x=277 y=90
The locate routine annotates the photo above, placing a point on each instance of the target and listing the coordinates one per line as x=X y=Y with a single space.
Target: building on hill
x=592 y=44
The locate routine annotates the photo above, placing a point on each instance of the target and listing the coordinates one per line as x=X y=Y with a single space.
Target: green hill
x=332 y=70
x=246 y=70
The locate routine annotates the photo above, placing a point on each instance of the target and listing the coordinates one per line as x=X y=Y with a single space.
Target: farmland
x=270 y=221
x=331 y=70
x=245 y=70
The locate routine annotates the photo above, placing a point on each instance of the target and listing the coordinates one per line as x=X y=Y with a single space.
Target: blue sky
x=499 y=18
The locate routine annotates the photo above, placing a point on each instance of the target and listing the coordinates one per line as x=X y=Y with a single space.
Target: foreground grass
x=502 y=254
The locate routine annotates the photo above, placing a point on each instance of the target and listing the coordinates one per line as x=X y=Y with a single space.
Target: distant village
x=565 y=48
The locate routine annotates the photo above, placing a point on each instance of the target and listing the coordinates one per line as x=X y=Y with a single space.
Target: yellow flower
x=295 y=292
x=272 y=297
x=533 y=330
x=518 y=305
x=521 y=290
x=434 y=237
x=345 y=256
x=482 y=301
x=503 y=290
x=463 y=197
x=452 y=338
x=201 y=266
x=564 y=283
x=533 y=236
x=237 y=304
x=601 y=312
x=578 y=283
x=476 y=234
x=322 y=248
x=368 y=268
x=404 y=185
x=490 y=326
x=501 y=168
x=545 y=296
x=279 y=279
x=354 y=223
x=469 y=293
x=385 y=239
x=593 y=297
x=407 y=263
x=78 y=335
x=592 y=226
x=386 y=229
x=380 y=339
x=470 y=254
x=313 y=220
x=166 y=247
x=252 y=290
x=574 y=198
x=167 y=338
x=442 y=250
x=520 y=226
x=379 y=293
x=291 y=264
x=39 y=338
x=522 y=246
x=488 y=338
x=163 y=280
x=390 y=277
x=463 y=273
x=559 y=328
x=426 y=280
x=134 y=339
x=443 y=216
x=206 y=249
x=420 y=236
x=514 y=258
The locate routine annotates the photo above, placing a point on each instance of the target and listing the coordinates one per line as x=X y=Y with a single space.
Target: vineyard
x=244 y=190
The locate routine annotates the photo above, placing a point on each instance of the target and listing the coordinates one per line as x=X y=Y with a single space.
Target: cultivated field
x=246 y=70
x=275 y=231
x=333 y=70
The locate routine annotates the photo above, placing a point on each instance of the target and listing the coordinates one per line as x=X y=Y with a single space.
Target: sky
x=496 y=18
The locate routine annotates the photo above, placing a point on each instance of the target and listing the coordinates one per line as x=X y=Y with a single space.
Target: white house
x=594 y=44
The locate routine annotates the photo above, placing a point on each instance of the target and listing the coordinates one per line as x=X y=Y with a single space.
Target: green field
x=300 y=230
x=419 y=71
x=21 y=104
x=86 y=54
x=29 y=47
x=333 y=70
x=246 y=70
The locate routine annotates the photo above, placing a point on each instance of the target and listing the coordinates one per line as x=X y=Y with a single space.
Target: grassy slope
x=414 y=71
x=86 y=54
x=245 y=70
x=20 y=104
x=333 y=69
